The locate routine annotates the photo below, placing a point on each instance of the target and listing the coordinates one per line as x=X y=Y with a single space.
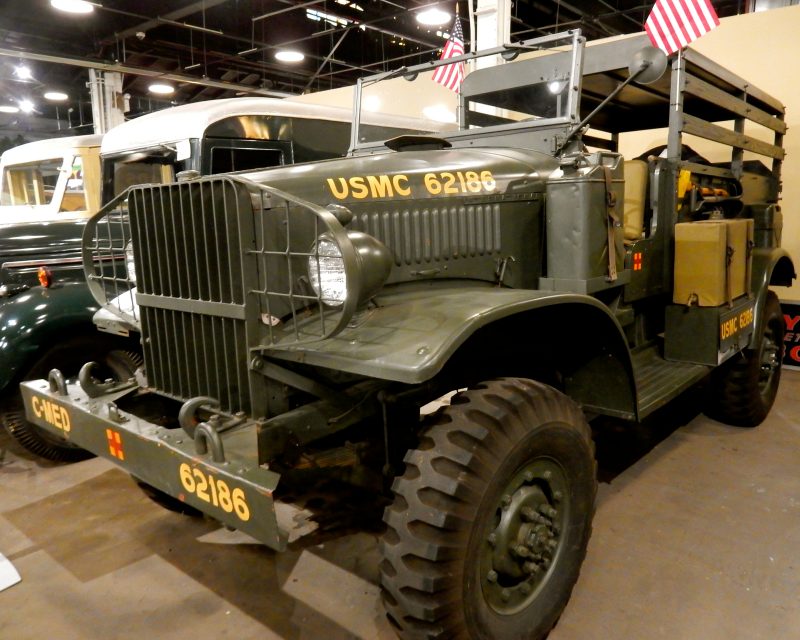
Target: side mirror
x=648 y=65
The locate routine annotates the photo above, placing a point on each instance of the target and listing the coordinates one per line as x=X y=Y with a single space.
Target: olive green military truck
x=297 y=321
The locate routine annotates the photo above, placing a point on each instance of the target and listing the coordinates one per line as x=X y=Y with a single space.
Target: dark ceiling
x=234 y=41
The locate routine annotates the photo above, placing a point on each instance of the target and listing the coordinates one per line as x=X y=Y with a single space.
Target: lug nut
x=528 y=514
x=557 y=495
x=505 y=594
x=531 y=567
x=506 y=500
x=547 y=475
x=548 y=511
x=522 y=551
x=492 y=539
x=528 y=476
x=492 y=576
x=525 y=588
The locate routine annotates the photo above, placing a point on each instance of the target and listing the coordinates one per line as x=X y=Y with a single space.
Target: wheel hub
x=525 y=540
x=770 y=361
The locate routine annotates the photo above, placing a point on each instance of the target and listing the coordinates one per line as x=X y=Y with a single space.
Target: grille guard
x=220 y=214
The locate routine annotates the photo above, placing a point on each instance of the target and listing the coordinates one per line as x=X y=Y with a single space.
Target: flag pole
x=678 y=76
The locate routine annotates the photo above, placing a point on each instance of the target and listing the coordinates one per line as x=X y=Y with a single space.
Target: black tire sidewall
x=773 y=320
x=73 y=353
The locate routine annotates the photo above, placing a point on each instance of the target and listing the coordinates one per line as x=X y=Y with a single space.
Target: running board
x=658 y=381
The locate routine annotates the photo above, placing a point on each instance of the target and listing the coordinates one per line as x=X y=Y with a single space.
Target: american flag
x=451 y=75
x=673 y=24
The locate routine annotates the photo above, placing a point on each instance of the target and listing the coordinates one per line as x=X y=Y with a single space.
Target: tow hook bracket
x=94 y=388
x=57 y=383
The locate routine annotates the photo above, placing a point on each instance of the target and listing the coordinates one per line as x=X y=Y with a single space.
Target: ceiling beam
x=139 y=71
x=158 y=21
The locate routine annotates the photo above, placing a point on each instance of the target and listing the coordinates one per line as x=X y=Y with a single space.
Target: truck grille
x=191 y=354
x=187 y=241
x=188 y=249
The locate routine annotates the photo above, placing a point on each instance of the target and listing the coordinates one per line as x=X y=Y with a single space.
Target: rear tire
x=492 y=516
x=117 y=364
x=743 y=389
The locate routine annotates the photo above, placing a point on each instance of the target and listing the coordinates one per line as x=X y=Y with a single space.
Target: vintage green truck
x=297 y=322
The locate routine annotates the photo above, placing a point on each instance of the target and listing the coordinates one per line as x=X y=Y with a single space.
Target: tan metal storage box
x=703 y=274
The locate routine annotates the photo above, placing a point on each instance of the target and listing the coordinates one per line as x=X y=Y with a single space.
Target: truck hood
x=412 y=175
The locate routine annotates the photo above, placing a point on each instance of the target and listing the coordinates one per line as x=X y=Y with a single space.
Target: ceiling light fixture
x=8 y=108
x=72 y=6
x=23 y=73
x=289 y=56
x=433 y=17
x=26 y=106
x=56 y=96
x=161 y=89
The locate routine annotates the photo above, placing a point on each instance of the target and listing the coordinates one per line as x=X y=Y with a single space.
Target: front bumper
x=237 y=491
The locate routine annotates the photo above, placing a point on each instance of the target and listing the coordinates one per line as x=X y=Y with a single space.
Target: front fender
x=771 y=266
x=411 y=336
x=33 y=320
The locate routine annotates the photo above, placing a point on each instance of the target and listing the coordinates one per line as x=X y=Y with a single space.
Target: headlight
x=326 y=272
x=359 y=271
x=130 y=266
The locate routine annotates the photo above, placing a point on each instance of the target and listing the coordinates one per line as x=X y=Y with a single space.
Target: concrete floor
x=696 y=537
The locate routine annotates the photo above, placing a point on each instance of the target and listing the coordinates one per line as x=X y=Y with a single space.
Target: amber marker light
x=45 y=277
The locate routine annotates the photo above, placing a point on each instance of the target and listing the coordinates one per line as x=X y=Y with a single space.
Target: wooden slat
x=702 y=129
x=712 y=94
x=732 y=79
x=707 y=169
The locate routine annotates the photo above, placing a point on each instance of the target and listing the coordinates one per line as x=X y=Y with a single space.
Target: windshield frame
x=571 y=39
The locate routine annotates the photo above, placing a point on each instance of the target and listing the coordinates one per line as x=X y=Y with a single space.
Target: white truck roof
x=189 y=121
x=45 y=149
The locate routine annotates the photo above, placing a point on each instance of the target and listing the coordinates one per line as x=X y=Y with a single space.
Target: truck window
x=32 y=184
x=127 y=174
x=74 y=198
x=315 y=139
x=227 y=159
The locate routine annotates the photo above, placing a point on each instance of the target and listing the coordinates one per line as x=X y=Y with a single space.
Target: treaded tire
x=743 y=389
x=453 y=493
x=118 y=363
x=166 y=501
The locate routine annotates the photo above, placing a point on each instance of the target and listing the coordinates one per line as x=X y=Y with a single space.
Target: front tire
x=743 y=389
x=166 y=501
x=118 y=364
x=492 y=516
